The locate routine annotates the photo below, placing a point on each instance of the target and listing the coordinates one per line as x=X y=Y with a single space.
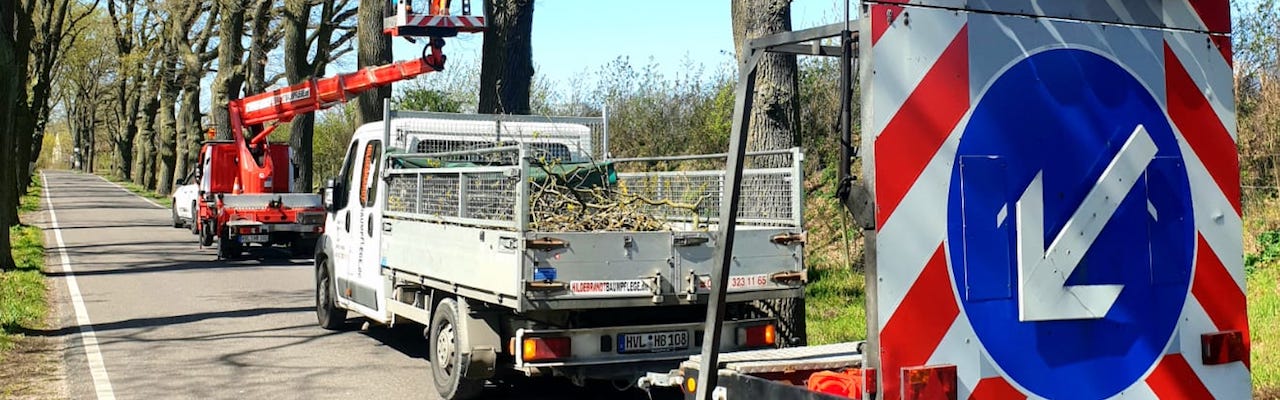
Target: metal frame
x=793 y=42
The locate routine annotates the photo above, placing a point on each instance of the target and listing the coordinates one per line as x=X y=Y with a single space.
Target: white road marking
x=97 y=368
x=117 y=185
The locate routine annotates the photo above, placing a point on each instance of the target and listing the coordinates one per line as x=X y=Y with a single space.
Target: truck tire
x=195 y=214
x=789 y=312
x=446 y=363
x=228 y=248
x=206 y=234
x=327 y=312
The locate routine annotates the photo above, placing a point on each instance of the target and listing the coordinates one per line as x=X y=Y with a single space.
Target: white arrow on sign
x=1043 y=272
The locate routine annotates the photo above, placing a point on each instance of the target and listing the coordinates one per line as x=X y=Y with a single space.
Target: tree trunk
x=167 y=145
x=23 y=32
x=256 y=67
x=8 y=92
x=775 y=116
x=506 y=66
x=144 y=172
x=189 y=120
x=226 y=85
x=374 y=48
x=775 y=121
x=301 y=138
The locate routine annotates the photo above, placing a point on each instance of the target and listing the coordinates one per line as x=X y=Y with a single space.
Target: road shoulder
x=33 y=360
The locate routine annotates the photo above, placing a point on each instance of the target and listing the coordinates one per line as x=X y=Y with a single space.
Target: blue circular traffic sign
x=1068 y=157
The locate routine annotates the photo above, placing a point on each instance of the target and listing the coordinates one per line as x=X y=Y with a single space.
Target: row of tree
x=125 y=77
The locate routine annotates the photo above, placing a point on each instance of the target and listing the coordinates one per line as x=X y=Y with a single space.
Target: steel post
x=744 y=96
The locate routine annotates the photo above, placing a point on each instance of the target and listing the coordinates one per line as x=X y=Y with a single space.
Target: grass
x=31 y=202
x=1264 y=325
x=141 y=191
x=835 y=296
x=834 y=306
x=22 y=291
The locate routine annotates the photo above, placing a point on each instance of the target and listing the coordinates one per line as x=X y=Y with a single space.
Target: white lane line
x=97 y=368
x=126 y=190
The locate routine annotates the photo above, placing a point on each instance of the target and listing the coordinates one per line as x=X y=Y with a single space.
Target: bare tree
x=374 y=48
x=196 y=57
x=322 y=43
x=506 y=65
x=226 y=85
x=182 y=69
x=125 y=25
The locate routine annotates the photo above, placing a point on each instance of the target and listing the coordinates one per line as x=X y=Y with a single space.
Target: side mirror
x=327 y=195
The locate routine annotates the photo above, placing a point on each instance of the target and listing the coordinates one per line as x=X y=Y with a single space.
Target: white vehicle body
x=403 y=238
x=184 y=203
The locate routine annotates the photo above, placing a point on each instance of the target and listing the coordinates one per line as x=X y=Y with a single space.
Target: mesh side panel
x=439 y=195
x=402 y=193
x=491 y=196
x=766 y=197
x=565 y=138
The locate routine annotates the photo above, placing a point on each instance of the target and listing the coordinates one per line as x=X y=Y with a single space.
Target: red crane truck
x=247 y=193
x=1050 y=200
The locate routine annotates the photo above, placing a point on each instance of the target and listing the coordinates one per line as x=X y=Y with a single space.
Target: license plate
x=653 y=342
x=253 y=239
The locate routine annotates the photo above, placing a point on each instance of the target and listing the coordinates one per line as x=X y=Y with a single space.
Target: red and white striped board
x=931 y=69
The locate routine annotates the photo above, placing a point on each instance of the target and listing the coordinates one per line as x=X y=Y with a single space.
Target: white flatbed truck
x=430 y=222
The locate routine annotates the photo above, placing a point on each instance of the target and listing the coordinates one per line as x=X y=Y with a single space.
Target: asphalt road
x=171 y=322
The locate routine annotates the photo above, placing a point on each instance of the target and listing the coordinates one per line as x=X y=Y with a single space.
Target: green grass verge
x=22 y=291
x=1264 y=325
x=835 y=306
x=141 y=191
x=31 y=202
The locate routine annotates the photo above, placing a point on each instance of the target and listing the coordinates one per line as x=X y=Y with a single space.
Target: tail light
x=757 y=335
x=248 y=230
x=546 y=348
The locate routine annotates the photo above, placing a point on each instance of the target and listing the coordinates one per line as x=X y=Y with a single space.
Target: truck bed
x=437 y=218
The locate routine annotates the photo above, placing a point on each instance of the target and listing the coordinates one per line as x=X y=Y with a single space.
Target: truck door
x=360 y=279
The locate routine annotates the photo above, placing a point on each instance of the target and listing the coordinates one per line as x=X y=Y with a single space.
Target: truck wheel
x=446 y=363
x=195 y=229
x=227 y=248
x=173 y=212
x=327 y=312
x=206 y=233
x=789 y=313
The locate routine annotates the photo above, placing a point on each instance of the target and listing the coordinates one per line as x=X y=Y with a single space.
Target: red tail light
x=248 y=230
x=757 y=335
x=547 y=348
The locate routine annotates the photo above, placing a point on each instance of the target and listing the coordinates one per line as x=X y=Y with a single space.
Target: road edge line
x=97 y=365
x=126 y=190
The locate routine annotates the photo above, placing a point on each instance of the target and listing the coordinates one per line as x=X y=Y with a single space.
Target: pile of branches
x=562 y=204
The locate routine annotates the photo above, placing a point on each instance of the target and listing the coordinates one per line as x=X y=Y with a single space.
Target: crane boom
x=253 y=118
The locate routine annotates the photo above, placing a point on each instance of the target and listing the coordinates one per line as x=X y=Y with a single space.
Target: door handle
x=347 y=220
x=370 y=225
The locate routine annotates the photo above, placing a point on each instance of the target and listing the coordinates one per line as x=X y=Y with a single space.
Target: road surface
x=171 y=322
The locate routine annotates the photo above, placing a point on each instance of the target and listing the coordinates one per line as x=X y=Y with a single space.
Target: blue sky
x=571 y=37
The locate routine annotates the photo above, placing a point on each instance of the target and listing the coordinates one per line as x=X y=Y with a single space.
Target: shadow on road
x=408 y=339
x=165 y=321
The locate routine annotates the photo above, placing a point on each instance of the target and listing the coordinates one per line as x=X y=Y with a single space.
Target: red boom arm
x=256 y=115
